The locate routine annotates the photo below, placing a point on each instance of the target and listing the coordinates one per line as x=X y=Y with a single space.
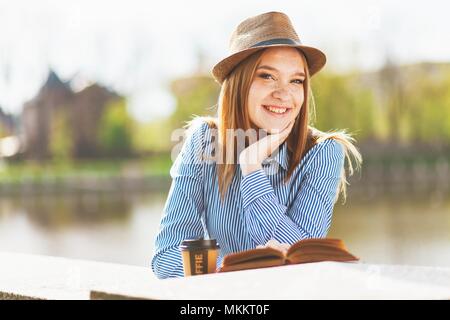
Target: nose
x=281 y=92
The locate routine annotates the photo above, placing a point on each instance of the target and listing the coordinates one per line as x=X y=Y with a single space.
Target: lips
x=276 y=110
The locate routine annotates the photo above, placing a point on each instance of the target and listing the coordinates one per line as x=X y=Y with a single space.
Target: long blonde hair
x=233 y=114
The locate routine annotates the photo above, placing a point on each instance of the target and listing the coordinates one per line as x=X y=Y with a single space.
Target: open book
x=303 y=251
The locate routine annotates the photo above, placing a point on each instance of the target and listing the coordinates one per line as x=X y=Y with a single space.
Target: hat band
x=277 y=41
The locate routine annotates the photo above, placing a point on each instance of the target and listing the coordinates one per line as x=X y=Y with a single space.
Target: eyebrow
x=274 y=69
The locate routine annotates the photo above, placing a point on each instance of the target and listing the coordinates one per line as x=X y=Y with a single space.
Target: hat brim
x=315 y=59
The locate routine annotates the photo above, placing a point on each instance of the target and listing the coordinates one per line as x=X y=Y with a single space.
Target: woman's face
x=276 y=92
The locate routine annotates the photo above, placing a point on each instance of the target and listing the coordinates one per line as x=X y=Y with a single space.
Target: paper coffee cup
x=199 y=256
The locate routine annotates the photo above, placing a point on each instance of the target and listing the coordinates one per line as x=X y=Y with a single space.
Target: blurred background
x=91 y=91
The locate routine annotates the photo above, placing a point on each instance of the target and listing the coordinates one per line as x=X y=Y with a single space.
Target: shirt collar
x=280 y=157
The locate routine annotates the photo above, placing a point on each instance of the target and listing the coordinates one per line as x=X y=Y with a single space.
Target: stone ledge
x=25 y=276
x=12 y=296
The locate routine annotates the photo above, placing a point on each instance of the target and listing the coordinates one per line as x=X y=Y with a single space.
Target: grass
x=61 y=170
x=155 y=166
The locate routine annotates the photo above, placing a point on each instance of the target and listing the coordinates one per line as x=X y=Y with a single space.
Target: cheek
x=299 y=96
x=256 y=93
x=255 y=96
x=297 y=112
x=299 y=99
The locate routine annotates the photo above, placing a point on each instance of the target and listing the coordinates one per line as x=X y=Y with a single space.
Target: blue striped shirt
x=256 y=208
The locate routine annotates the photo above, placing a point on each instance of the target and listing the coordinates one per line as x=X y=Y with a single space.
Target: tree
x=61 y=141
x=115 y=130
x=196 y=95
x=341 y=103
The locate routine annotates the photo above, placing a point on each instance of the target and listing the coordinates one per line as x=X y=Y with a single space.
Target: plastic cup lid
x=199 y=244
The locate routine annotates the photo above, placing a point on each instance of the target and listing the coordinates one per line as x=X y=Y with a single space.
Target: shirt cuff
x=254 y=186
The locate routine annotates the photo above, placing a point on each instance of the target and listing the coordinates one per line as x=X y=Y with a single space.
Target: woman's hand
x=272 y=243
x=251 y=157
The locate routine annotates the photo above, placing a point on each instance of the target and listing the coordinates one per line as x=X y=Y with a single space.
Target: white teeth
x=276 y=110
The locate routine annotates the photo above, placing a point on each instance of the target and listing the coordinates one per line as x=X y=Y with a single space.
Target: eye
x=300 y=81
x=265 y=75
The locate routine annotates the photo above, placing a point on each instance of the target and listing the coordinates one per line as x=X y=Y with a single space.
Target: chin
x=276 y=126
x=273 y=130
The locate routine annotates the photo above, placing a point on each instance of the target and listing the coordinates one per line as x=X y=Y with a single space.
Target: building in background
x=7 y=124
x=57 y=114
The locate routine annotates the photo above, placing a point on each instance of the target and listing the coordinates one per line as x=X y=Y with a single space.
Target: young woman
x=274 y=178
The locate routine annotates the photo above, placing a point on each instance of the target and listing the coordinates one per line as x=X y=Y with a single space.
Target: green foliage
x=404 y=104
x=61 y=142
x=2 y=131
x=341 y=103
x=429 y=109
x=195 y=96
x=19 y=172
x=115 y=130
x=152 y=137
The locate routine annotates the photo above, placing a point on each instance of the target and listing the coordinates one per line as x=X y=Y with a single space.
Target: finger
x=277 y=138
x=286 y=130
x=272 y=241
x=278 y=246
x=267 y=145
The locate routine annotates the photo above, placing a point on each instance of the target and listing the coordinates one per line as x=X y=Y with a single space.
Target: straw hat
x=269 y=29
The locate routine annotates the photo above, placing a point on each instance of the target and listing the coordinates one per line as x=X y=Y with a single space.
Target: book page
x=254 y=254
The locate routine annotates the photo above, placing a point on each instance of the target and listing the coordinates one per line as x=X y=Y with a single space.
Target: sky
x=136 y=47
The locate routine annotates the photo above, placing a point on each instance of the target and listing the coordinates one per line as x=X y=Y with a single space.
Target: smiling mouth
x=276 y=110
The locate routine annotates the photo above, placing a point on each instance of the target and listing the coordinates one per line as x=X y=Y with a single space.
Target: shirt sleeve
x=309 y=216
x=181 y=218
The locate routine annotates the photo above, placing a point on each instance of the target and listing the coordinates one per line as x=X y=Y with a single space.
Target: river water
x=121 y=228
